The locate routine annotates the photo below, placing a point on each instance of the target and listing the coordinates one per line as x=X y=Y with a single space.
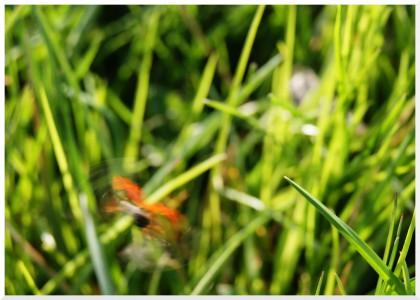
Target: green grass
x=196 y=103
x=364 y=250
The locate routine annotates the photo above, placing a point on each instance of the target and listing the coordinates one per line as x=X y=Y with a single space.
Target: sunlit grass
x=202 y=101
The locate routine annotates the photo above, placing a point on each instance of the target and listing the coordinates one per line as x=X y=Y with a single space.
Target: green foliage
x=202 y=101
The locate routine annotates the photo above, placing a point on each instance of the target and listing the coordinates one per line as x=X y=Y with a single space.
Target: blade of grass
x=340 y=285
x=18 y=13
x=81 y=259
x=78 y=31
x=117 y=105
x=34 y=254
x=256 y=79
x=234 y=112
x=406 y=245
x=154 y=281
x=332 y=271
x=197 y=106
x=221 y=256
x=351 y=236
x=393 y=254
x=58 y=53
x=243 y=198
x=199 y=137
x=131 y=150
x=28 y=277
x=290 y=243
x=281 y=85
x=388 y=242
x=215 y=177
x=60 y=156
x=318 y=286
x=180 y=180
x=246 y=51
x=55 y=48
x=338 y=50
x=205 y=83
x=86 y=61
x=95 y=250
x=68 y=271
x=406 y=278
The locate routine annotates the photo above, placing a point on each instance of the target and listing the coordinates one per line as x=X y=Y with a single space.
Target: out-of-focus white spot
x=303 y=81
x=217 y=182
x=153 y=155
x=155 y=158
x=224 y=289
x=48 y=241
x=309 y=129
x=249 y=108
x=197 y=129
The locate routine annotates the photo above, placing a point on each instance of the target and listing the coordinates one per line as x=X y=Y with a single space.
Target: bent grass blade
x=351 y=236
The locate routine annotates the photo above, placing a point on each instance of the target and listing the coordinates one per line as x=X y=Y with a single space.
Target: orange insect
x=156 y=220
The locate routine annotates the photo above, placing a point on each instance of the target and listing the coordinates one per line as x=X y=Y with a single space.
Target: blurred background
x=321 y=94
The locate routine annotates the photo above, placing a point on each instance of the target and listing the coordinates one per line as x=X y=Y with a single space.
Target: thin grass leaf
x=57 y=51
x=28 y=277
x=340 y=285
x=86 y=61
x=81 y=259
x=95 y=250
x=215 y=179
x=18 y=13
x=131 y=150
x=347 y=36
x=154 y=281
x=338 y=49
x=68 y=271
x=281 y=85
x=246 y=51
x=119 y=107
x=205 y=83
x=406 y=278
x=243 y=198
x=55 y=48
x=406 y=245
x=413 y=284
x=182 y=179
x=351 y=236
x=319 y=285
x=221 y=256
x=388 y=241
x=332 y=271
x=197 y=105
x=256 y=79
x=78 y=31
x=394 y=251
x=60 y=156
x=234 y=112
